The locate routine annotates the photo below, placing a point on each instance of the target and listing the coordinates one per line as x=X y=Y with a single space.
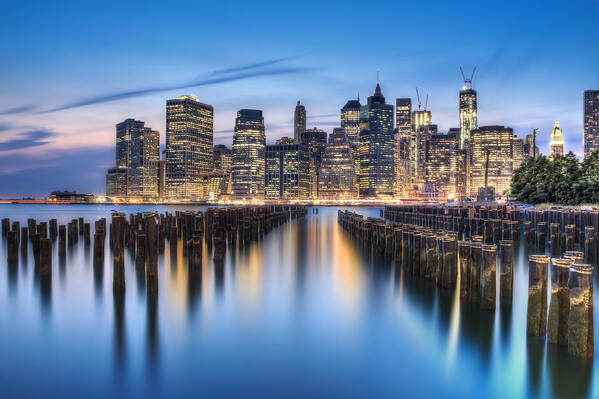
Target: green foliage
x=563 y=181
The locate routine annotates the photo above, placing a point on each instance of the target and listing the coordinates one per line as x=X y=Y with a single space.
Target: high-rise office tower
x=556 y=144
x=529 y=151
x=350 y=120
x=299 y=122
x=287 y=167
x=376 y=147
x=404 y=142
x=468 y=112
x=518 y=151
x=444 y=169
x=590 y=122
x=189 y=140
x=144 y=164
x=492 y=158
x=116 y=183
x=222 y=158
x=421 y=130
x=249 y=144
x=420 y=117
x=315 y=140
x=337 y=178
x=123 y=140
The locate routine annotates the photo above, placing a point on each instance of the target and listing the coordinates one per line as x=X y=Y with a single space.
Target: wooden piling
x=536 y=315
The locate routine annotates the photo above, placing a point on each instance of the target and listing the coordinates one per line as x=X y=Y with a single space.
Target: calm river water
x=306 y=312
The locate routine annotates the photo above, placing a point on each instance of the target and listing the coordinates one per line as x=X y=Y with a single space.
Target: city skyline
x=37 y=144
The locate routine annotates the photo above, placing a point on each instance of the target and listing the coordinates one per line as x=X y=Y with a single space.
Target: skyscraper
x=492 y=158
x=299 y=122
x=144 y=164
x=315 y=140
x=529 y=151
x=123 y=140
x=287 y=167
x=337 y=178
x=590 y=122
x=116 y=182
x=222 y=158
x=556 y=145
x=468 y=112
x=189 y=139
x=443 y=166
x=249 y=144
x=350 y=120
x=376 y=147
x=404 y=143
x=518 y=151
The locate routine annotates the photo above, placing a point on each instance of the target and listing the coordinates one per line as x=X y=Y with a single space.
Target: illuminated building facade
x=116 y=182
x=216 y=185
x=287 y=168
x=350 y=120
x=468 y=114
x=528 y=147
x=189 y=140
x=492 y=143
x=423 y=134
x=556 y=145
x=299 y=122
x=590 y=122
x=518 y=151
x=123 y=140
x=223 y=158
x=161 y=179
x=337 y=178
x=315 y=140
x=249 y=144
x=376 y=147
x=445 y=173
x=142 y=175
x=405 y=140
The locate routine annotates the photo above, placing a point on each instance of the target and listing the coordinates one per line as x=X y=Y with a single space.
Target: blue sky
x=534 y=60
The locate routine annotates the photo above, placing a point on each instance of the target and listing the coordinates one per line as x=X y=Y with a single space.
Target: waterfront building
x=299 y=122
x=216 y=185
x=315 y=141
x=590 y=122
x=376 y=147
x=350 y=120
x=287 y=168
x=556 y=144
x=518 y=151
x=492 y=158
x=468 y=112
x=142 y=174
x=337 y=177
x=444 y=167
x=116 y=182
x=223 y=158
x=189 y=146
x=162 y=178
x=528 y=147
x=249 y=144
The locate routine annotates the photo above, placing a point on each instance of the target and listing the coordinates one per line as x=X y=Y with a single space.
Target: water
x=306 y=312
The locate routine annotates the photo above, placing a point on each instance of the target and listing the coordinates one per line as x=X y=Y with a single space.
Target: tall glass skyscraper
x=492 y=143
x=299 y=122
x=468 y=113
x=144 y=163
x=336 y=177
x=287 y=167
x=376 y=147
x=350 y=120
x=189 y=151
x=249 y=144
x=315 y=140
x=590 y=122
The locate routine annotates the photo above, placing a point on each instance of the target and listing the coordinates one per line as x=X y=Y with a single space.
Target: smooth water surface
x=306 y=312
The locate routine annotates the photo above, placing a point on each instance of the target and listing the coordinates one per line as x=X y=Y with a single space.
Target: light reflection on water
x=307 y=311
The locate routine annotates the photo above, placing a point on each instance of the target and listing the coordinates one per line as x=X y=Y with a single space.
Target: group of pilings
x=570 y=319
x=439 y=255
x=144 y=235
x=451 y=244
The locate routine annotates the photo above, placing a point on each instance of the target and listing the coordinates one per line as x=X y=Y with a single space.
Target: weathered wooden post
x=5 y=226
x=98 y=248
x=416 y=253
x=431 y=256
x=488 y=278
x=580 y=320
x=195 y=256
x=62 y=241
x=24 y=240
x=476 y=261
x=536 y=314
x=152 y=261
x=559 y=305
x=45 y=250
x=86 y=234
x=35 y=248
x=556 y=240
x=570 y=232
x=590 y=246
x=140 y=255
x=464 y=253
x=12 y=247
x=53 y=229
x=450 y=271
x=541 y=237
x=506 y=278
x=118 y=229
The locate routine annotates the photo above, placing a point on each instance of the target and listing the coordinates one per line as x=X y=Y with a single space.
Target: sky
x=71 y=70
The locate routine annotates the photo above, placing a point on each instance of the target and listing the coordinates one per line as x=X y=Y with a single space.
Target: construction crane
x=418 y=96
x=467 y=82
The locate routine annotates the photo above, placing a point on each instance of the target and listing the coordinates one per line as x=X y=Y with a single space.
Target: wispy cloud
x=253 y=66
x=18 y=110
x=33 y=138
x=197 y=83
